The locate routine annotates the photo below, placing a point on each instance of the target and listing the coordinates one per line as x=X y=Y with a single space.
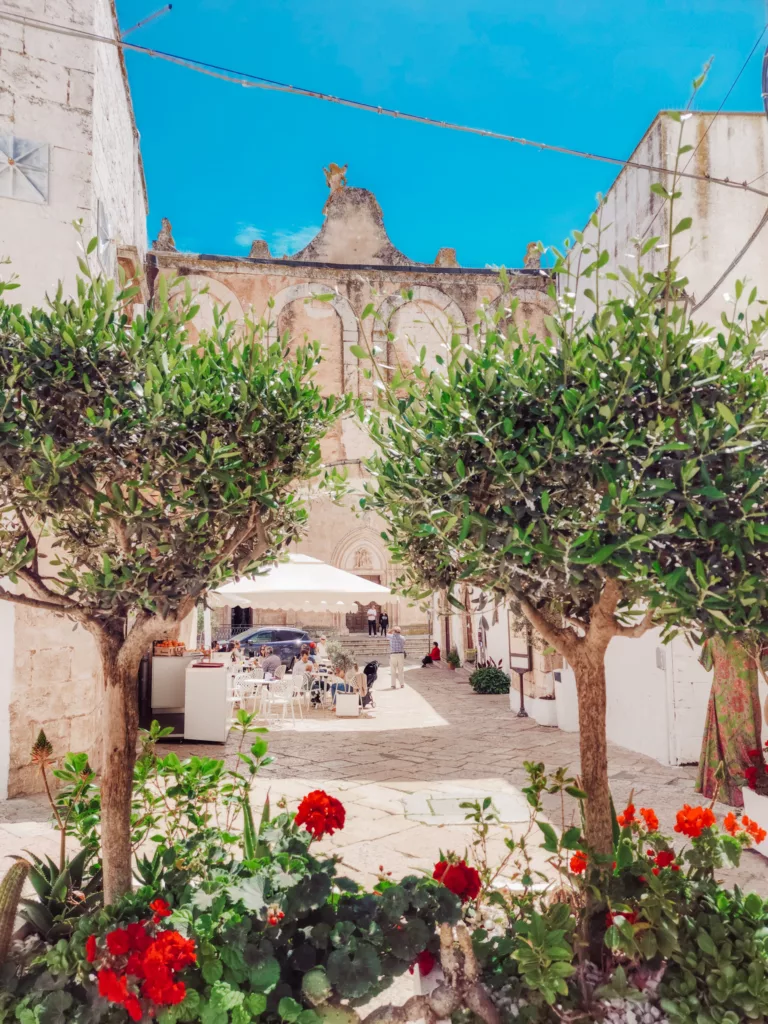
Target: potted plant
x=756 y=794
x=489 y=680
x=453 y=660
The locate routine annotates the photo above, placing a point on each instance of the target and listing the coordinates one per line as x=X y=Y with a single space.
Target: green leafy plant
x=452 y=658
x=341 y=660
x=489 y=680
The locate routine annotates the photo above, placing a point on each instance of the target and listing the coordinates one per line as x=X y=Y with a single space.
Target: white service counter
x=206 y=709
x=168 y=679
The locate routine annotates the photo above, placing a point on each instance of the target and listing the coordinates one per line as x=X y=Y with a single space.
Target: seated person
x=271 y=664
x=338 y=682
x=303 y=667
x=360 y=686
x=434 y=655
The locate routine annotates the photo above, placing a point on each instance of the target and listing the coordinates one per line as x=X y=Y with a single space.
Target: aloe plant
x=62 y=895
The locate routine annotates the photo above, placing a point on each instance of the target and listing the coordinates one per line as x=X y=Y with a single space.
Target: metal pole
x=522 y=713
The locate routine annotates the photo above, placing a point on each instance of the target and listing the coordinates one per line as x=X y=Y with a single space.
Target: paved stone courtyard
x=402 y=774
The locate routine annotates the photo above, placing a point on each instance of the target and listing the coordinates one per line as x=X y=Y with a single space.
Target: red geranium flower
x=628 y=817
x=664 y=858
x=118 y=942
x=425 y=961
x=320 y=814
x=628 y=915
x=462 y=880
x=649 y=816
x=691 y=821
x=578 y=862
x=731 y=823
x=138 y=936
x=91 y=951
x=133 y=1007
x=112 y=987
x=753 y=829
x=160 y=909
x=750 y=775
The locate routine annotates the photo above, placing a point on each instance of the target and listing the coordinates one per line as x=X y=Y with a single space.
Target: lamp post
x=520 y=662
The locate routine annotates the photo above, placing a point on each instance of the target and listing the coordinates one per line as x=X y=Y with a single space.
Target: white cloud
x=281 y=242
x=247 y=234
x=286 y=243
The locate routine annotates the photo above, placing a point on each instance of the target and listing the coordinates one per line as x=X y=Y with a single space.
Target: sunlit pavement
x=403 y=773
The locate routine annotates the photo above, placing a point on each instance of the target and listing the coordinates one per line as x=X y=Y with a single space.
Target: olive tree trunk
x=585 y=645
x=121 y=657
x=589 y=668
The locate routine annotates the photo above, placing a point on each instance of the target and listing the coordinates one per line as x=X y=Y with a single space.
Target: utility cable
x=248 y=80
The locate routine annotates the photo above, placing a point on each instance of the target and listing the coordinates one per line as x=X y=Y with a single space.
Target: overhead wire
x=248 y=80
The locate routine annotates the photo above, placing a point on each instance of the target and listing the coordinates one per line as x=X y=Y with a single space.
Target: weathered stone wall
x=57 y=688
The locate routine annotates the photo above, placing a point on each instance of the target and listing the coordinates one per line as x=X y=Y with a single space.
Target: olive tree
x=606 y=477
x=136 y=472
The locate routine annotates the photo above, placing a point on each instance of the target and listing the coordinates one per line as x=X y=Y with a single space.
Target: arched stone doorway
x=359 y=553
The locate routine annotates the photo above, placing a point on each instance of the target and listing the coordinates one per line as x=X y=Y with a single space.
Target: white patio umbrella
x=300 y=584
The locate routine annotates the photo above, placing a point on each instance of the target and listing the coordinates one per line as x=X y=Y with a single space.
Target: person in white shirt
x=372 y=621
x=321 y=649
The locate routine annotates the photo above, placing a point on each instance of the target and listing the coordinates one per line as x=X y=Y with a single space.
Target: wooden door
x=357 y=621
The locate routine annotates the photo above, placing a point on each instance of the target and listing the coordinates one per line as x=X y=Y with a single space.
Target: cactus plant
x=10 y=894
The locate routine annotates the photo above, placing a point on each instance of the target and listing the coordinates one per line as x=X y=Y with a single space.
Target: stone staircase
x=364 y=648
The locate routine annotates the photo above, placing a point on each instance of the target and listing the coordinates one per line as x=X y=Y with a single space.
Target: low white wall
x=638 y=699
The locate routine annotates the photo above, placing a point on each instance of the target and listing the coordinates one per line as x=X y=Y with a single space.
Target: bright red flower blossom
x=650 y=819
x=578 y=862
x=613 y=917
x=459 y=877
x=91 y=950
x=750 y=775
x=691 y=821
x=321 y=814
x=133 y=1007
x=160 y=908
x=664 y=858
x=118 y=942
x=138 y=936
x=425 y=961
x=111 y=986
x=628 y=817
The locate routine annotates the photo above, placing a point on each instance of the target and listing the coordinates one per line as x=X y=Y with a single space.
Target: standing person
x=397 y=658
x=371 y=621
x=321 y=649
x=383 y=623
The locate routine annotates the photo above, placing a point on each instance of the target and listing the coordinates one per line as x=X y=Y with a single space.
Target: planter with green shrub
x=453 y=660
x=489 y=680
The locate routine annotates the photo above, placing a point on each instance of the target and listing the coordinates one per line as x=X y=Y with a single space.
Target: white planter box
x=756 y=808
x=545 y=711
x=542 y=711
x=347 y=705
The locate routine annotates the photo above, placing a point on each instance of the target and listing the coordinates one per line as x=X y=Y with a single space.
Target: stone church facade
x=353 y=260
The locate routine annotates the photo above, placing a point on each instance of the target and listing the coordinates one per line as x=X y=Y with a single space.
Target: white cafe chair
x=285 y=694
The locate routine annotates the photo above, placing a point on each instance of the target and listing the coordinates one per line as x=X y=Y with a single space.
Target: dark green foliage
x=721 y=965
x=63 y=896
x=489 y=680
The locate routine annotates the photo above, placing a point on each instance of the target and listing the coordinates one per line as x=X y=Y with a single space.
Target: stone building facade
x=69 y=150
x=352 y=260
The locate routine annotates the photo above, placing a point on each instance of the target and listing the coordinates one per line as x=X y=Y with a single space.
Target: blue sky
x=228 y=164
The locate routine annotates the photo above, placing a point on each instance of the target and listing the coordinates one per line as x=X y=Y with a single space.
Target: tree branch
x=39 y=586
x=46 y=606
x=563 y=640
x=639 y=628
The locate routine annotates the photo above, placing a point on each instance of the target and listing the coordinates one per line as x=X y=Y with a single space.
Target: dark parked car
x=284 y=640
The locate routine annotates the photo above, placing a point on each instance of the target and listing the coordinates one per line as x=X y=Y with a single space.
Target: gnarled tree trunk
x=121 y=658
x=589 y=668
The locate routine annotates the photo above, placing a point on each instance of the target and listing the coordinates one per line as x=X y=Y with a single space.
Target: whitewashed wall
x=735 y=146
x=68 y=95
